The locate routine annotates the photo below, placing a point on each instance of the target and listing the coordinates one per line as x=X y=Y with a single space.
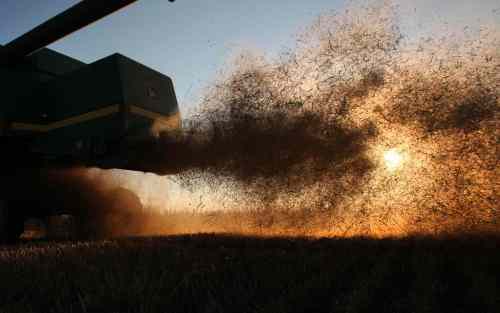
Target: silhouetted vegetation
x=223 y=273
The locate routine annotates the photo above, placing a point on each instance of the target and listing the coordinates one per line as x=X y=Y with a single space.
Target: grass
x=226 y=273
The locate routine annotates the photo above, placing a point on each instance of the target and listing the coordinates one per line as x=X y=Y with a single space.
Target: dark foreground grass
x=222 y=273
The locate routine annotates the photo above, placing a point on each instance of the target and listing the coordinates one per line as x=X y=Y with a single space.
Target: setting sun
x=393 y=159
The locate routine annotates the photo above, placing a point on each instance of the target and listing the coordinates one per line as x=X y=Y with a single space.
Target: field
x=229 y=273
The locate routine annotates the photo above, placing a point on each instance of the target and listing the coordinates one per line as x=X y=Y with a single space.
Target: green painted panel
x=147 y=88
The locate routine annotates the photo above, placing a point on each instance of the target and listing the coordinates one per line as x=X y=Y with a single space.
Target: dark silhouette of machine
x=57 y=110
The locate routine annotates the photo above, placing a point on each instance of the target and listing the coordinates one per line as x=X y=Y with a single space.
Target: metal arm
x=63 y=24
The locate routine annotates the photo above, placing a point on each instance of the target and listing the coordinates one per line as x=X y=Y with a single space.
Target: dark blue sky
x=189 y=40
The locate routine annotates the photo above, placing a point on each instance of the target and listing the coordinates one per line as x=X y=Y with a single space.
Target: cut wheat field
x=231 y=273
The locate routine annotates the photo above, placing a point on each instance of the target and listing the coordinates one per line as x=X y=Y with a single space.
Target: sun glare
x=393 y=159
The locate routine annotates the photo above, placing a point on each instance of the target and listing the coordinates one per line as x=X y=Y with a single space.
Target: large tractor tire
x=11 y=224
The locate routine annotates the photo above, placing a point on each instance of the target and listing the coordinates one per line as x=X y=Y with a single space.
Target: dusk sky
x=190 y=40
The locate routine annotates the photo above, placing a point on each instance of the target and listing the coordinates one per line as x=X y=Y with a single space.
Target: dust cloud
x=297 y=143
x=300 y=139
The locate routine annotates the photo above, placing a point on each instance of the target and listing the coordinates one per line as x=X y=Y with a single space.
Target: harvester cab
x=58 y=110
x=63 y=110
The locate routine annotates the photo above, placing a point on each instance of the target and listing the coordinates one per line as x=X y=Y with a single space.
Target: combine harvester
x=58 y=111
